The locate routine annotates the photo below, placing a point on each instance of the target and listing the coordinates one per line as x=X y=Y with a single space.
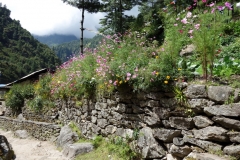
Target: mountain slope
x=55 y=39
x=66 y=50
x=20 y=53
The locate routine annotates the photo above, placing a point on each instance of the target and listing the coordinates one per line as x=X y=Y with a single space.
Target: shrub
x=17 y=94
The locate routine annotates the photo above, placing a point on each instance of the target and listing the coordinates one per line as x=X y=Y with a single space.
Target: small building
x=6 y=87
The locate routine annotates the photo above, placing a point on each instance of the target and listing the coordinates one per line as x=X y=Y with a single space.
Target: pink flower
x=128 y=74
x=115 y=83
x=134 y=76
x=212 y=4
x=154 y=72
x=189 y=15
x=228 y=5
x=196 y=26
x=190 y=31
x=177 y=18
x=220 y=8
x=175 y=24
x=184 y=21
x=204 y=1
x=136 y=70
x=110 y=81
x=213 y=10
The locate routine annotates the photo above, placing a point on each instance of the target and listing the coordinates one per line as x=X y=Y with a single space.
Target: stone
x=233 y=150
x=236 y=95
x=154 y=95
x=149 y=103
x=180 y=151
x=170 y=103
x=220 y=94
x=148 y=146
x=66 y=136
x=166 y=123
x=110 y=129
x=93 y=119
x=181 y=123
x=22 y=134
x=202 y=121
x=125 y=133
x=231 y=110
x=196 y=91
x=20 y=117
x=178 y=141
x=102 y=123
x=172 y=157
x=166 y=135
x=198 y=104
x=6 y=151
x=121 y=108
x=234 y=136
x=162 y=113
x=212 y=133
x=227 y=122
x=2 y=110
x=72 y=150
x=187 y=50
x=100 y=106
x=111 y=103
x=206 y=145
x=152 y=119
x=137 y=109
x=204 y=156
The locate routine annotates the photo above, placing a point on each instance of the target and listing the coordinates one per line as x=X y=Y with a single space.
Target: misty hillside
x=20 y=53
x=55 y=39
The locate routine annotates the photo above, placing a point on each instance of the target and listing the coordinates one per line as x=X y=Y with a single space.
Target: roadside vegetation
x=136 y=60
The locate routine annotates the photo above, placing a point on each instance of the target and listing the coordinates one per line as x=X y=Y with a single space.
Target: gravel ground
x=31 y=149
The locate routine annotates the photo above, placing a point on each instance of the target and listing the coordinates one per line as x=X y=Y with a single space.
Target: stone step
x=72 y=150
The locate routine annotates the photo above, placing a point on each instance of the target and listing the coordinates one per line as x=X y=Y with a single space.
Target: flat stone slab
x=72 y=150
x=22 y=134
x=231 y=110
x=204 y=156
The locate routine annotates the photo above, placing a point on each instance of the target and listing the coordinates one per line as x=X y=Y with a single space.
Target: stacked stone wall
x=39 y=130
x=210 y=120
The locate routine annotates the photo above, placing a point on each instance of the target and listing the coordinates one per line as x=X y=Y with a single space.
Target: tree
x=92 y=6
x=115 y=21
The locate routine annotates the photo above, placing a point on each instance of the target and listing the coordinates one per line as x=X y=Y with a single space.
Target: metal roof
x=44 y=70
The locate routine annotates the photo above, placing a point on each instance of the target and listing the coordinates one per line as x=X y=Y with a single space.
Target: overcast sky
x=45 y=17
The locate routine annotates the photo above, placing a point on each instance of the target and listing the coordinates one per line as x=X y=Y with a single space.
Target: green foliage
x=97 y=141
x=75 y=128
x=122 y=148
x=232 y=28
x=17 y=94
x=20 y=53
x=180 y=96
x=42 y=94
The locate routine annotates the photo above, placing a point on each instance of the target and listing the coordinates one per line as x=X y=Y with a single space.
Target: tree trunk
x=82 y=29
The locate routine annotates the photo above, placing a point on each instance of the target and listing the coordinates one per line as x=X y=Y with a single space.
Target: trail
x=31 y=149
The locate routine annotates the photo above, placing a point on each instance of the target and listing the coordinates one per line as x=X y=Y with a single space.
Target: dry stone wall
x=210 y=122
x=39 y=130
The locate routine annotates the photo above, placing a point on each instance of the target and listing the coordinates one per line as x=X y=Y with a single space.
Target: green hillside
x=66 y=50
x=20 y=53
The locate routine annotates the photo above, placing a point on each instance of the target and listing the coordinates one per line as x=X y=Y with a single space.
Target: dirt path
x=31 y=149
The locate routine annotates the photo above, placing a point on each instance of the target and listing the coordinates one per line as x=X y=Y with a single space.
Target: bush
x=17 y=94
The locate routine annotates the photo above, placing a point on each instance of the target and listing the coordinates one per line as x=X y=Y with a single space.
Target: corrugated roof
x=28 y=76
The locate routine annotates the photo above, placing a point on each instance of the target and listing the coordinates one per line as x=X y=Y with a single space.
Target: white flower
x=238 y=5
